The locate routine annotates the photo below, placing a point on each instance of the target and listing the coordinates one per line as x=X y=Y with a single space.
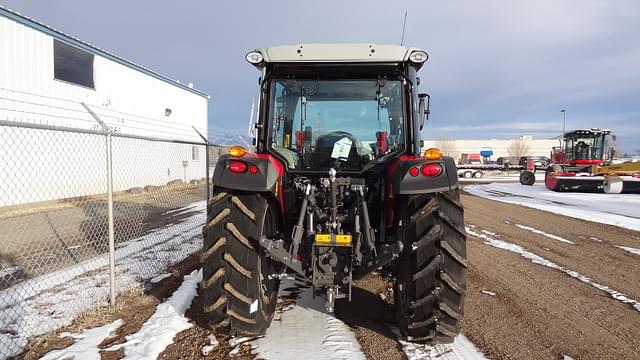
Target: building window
x=72 y=65
x=195 y=153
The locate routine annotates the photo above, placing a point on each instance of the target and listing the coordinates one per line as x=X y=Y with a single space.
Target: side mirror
x=424 y=109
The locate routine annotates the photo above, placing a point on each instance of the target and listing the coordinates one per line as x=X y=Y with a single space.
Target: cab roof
x=332 y=53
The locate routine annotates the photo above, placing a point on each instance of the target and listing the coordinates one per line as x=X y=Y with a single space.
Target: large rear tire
x=431 y=274
x=213 y=267
x=249 y=291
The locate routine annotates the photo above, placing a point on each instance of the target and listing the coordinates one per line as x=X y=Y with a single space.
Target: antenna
x=404 y=25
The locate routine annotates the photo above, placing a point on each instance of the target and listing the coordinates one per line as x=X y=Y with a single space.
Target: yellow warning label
x=343 y=239
x=331 y=239
x=323 y=238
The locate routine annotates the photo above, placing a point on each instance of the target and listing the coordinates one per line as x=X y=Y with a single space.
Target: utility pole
x=564 y=118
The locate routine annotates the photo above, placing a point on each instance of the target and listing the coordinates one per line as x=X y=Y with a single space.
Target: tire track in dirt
x=600 y=260
x=539 y=312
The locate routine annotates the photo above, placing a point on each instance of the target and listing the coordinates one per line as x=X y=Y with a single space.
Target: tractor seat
x=324 y=147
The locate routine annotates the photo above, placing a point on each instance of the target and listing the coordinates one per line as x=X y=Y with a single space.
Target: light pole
x=564 y=118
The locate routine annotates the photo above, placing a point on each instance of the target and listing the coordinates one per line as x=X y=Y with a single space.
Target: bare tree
x=518 y=148
x=448 y=147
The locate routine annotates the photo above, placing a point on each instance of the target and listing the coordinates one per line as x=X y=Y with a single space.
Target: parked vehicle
x=540 y=162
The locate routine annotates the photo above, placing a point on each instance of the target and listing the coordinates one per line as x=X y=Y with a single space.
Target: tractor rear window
x=318 y=124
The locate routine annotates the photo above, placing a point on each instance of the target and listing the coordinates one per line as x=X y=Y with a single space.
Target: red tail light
x=431 y=170
x=253 y=169
x=414 y=171
x=237 y=167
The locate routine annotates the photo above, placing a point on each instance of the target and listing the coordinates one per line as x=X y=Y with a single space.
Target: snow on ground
x=614 y=209
x=629 y=249
x=47 y=302
x=168 y=320
x=306 y=331
x=539 y=260
x=461 y=348
x=159 y=278
x=213 y=343
x=86 y=345
x=540 y=232
x=6 y=273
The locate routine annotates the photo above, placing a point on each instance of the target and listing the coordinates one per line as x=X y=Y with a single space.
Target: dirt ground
x=43 y=237
x=539 y=312
x=527 y=311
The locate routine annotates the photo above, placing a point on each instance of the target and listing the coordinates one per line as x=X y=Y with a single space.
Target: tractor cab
x=583 y=147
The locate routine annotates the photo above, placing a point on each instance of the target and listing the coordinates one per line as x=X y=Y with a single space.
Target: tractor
x=336 y=187
x=585 y=165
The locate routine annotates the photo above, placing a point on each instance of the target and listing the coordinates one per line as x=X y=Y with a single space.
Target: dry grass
x=100 y=315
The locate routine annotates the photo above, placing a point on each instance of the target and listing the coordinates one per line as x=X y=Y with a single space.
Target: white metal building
x=47 y=77
x=499 y=147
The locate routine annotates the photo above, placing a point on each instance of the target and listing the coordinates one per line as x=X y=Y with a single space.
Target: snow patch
x=540 y=232
x=629 y=249
x=159 y=278
x=306 y=331
x=86 y=345
x=621 y=210
x=487 y=292
x=47 y=302
x=213 y=343
x=489 y=232
x=5 y=273
x=461 y=349
x=159 y=330
x=539 y=260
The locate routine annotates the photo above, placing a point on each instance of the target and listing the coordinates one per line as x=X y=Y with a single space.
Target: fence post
x=206 y=159
x=112 y=242
x=112 y=250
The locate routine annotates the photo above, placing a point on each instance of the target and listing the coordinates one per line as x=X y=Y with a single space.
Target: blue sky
x=497 y=69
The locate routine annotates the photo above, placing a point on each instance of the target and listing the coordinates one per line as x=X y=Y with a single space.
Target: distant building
x=46 y=75
x=494 y=148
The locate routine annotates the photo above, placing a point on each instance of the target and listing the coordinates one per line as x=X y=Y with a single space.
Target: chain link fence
x=55 y=219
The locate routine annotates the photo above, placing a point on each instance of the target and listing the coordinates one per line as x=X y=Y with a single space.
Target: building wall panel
x=36 y=165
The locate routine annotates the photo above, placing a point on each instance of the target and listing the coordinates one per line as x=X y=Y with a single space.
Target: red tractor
x=338 y=187
x=585 y=165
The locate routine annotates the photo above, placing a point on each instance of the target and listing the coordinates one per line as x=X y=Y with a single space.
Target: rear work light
x=431 y=170
x=418 y=56
x=254 y=57
x=237 y=167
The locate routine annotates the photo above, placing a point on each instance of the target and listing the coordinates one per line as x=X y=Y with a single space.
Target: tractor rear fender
x=263 y=174
x=403 y=182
